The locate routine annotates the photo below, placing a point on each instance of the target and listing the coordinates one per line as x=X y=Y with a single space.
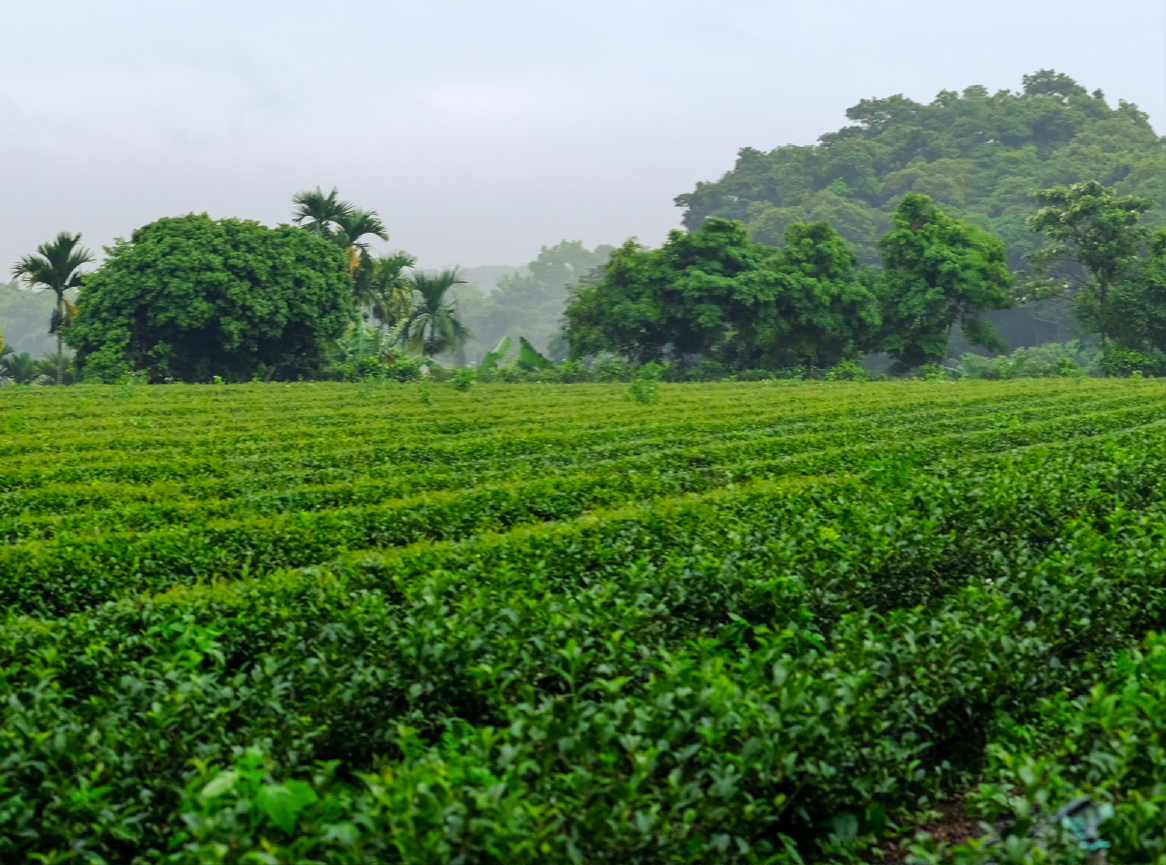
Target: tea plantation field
x=754 y=622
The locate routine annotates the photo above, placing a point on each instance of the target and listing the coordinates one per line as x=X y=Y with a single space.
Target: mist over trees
x=530 y=301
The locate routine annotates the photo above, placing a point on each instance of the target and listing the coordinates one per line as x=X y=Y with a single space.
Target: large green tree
x=938 y=272
x=827 y=309
x=190 y=298
x=1094 y=237
x=716 y=294
x=56 y=266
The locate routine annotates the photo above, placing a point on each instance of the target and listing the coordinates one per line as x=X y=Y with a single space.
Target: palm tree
x=354 y=228
x=433 y=325
x=356 y=225
x=55 y=267
x=22 y=369
x=348 y=227
x=389 y=291
x=319 y=213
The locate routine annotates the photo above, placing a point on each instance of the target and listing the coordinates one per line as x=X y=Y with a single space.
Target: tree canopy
x=433 y=325
x=938 y=272
x=1094 y=238
x=1138 y=303
x=976 y=154
x=190 y=298
x=715 y=293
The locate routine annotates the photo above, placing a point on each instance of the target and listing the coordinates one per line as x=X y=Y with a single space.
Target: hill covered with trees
x=978 y=155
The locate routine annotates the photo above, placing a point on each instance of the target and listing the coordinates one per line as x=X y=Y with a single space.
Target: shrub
x=403 y=369
x=1125 y=362
x=847 y=370
x=463 y=379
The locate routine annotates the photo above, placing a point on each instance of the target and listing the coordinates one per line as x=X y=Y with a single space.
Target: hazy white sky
x=481 y=131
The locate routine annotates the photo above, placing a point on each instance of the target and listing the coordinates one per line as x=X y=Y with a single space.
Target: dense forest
x=978 y=155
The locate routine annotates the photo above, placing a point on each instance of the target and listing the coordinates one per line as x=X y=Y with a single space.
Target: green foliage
x=384 y=287
x=463 y=379
x=20 y=368
x=645 y=388
x=1067 y=360
x=937 y=272
x=1091 y=229
x=529 y=358
x=496 y=355
x=188 y=298
x=763 y=625
x=976 y=154
x=403 y=369
x=56 y=267
x=1129 y=361
x=1137 y=304
x=847 y=370
x=433 y=325
x=715 y=293
x=1105 y=743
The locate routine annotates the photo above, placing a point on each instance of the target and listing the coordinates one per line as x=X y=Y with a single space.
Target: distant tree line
x=979 y=219
x=192 y=298
x=715 y=293
x=976 y=154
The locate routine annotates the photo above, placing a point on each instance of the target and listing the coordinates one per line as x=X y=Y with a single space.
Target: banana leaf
x=529 y=357
x=493 y=358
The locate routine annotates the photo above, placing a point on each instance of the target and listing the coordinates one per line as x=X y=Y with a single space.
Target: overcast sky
x=481 y=131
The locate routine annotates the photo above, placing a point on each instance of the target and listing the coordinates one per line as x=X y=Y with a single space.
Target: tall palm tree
x=433 y=326
x=358 y=224
x=55 y=267
x=319 y=213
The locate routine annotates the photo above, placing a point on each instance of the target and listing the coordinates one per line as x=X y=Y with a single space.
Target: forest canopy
x=978 y=155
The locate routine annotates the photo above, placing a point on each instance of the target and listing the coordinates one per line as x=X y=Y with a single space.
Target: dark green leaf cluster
x=715 y=293
x=190 y=298
x=1108 y=745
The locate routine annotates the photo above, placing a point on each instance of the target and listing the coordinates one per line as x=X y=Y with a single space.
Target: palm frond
x=319 y=212
x=55 y=264
x=358 y=223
